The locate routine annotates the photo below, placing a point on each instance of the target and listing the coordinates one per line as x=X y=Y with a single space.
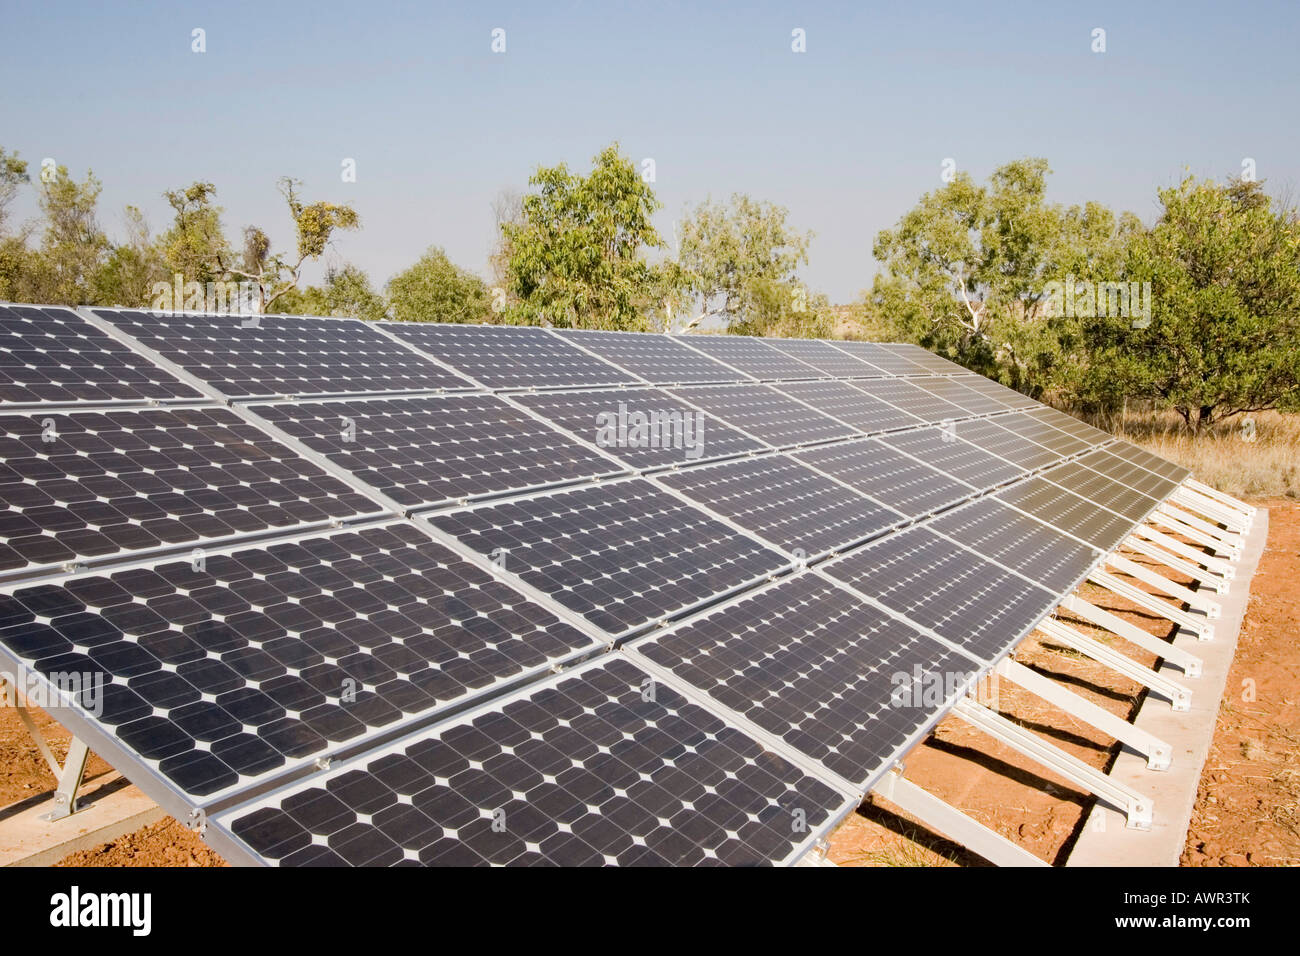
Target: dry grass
x=1259 y=460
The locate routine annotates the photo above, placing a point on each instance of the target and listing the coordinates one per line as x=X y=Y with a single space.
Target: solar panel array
x=395 y=593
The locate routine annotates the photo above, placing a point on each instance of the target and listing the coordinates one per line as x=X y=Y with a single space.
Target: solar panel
x=645 y=427
x=1067 y=512
x=836 y=679
x=660 y=359
x=1007 y=396
x=825 y=358
x=957 y=594
x=509 y=356
x=220 y=676
x=942 y=449
x=879 y=357
x=1144 y=459
x=622 y=554
x=785 y=503
x=51 y=355
x=906 y=485
x=765 y=413
x=850 y=405
x=753 y=356
x=86 y=484
x=333 y=683
x=990 y=436
x=1071 y=425
x=1041 y=433
x=1101 y=490
x=1018 y=542
x=1128 y=473
x=269 y=355
x=923 y=357
x=430 y=450
x=952 y=390
x=583 y=770
x=905 y=395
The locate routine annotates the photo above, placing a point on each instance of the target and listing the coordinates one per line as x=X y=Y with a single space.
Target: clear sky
x=846 y=135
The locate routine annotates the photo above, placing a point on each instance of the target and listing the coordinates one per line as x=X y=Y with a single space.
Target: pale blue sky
x=847 y=135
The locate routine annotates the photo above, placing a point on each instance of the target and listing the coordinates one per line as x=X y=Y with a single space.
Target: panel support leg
x=1158 y=753
x=1197 y=599
x=1201 y=625
x=1216 y=565
x=1197 y=573
x=947 y=820
x=1177 y=695
x=1190 y=663
x=1135 y=806
x=69 y=774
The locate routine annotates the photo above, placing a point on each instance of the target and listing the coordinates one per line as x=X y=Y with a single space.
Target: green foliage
x=128 y=273
x=195 y=245
x=346 y=292
x=434 y=289
x=73 y=246
x=739 y=259
x=13 y=173
x=577 y=259
x=1224 y=337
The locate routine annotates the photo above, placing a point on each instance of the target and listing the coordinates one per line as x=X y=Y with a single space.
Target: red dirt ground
x=1246 y=811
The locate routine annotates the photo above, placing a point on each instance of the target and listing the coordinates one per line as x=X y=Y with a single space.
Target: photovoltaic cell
x=954 y=457
x=993 y=438
x=644 y=427
x=221 y=676
x=753 y=356
x=904 y=484
x=1007 y=396
x=1020 y=543
x=765 y=413
x=836 y=679
x=580 y=771
x=962 y=597
x=1067 y=512
x=825 y=357
x=429 y=450
x=660 y=359
x=850 y=405
x=269 y=355
x=876 y=355
x=622 y=554
x=785 y=503
x=1041 y=433
x=509 y=356
x=88 y=484
x=1101 y=490
x=1071 y=425
x=1128 y=473
x=905 y=395
x=951 y=390
x=1144 y=459
x=924 y=358
x=54 y=355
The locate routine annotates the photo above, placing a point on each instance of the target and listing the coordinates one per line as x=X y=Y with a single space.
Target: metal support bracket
x=1179 y=697
x=1209 y=562
x=1136 y=807
x=1201 y=575
x=1224 y=499
x=1201 y=625
x=1197 y=599
x=1158 y=753
x=1174 y=524
x=1233 y=520
x=69 y=774
x=1190 y=663
x=947 y=820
